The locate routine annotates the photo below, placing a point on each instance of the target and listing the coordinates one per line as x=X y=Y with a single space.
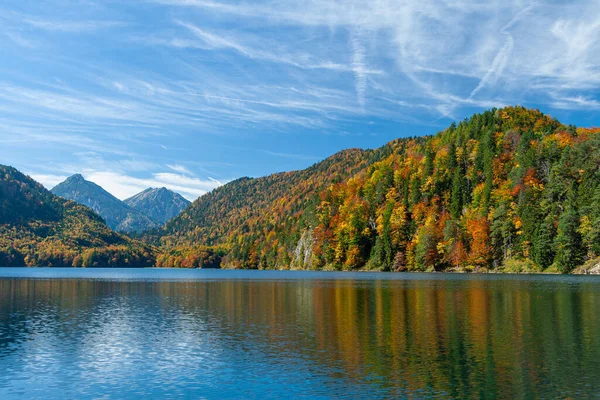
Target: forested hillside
x=508 y=189
x=259 y=221
x=38 y=228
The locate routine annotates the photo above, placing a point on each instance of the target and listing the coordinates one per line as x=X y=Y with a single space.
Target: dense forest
x=509 y=189
x=258 y=222
x=506 y=190
x=38 y=228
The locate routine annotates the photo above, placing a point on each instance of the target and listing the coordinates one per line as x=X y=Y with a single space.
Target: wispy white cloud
x=71 y=26
x=491 y=45
x=159 y=89
x=52 y=137
x=20 y=40
x=79 y=104
x=179 y=168
x=496 y=69
x=123 y=186
x=576 y=103
x=216 y=181
x=49 y=181
x=215 y=41
x=432 y=44
x=494 y=72
x=125 y=177
x=290 y=155
x=359 y=67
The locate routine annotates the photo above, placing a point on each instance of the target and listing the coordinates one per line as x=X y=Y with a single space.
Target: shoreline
x=587 y=272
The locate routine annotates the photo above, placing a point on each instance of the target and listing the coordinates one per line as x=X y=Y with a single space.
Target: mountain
x=38 y=228
x=510 y=189
x=249 y=213
x=160 y=204
x=118 y=215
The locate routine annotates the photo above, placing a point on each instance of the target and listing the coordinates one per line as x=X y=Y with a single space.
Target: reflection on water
x=359 y=335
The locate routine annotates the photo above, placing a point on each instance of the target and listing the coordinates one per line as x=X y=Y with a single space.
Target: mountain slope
x=38 y=228
x=265 y=212
x=160 y=204
x=510 y=189
x=117 y=214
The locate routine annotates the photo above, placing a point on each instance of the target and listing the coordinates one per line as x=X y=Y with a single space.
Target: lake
x=154 y=333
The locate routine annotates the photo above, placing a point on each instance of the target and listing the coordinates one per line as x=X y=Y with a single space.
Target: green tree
x=568 y=242
x=543 y=249
x=458 y=184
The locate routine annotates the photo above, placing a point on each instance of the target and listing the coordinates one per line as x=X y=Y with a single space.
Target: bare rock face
x=303 y=254
x=595 y=270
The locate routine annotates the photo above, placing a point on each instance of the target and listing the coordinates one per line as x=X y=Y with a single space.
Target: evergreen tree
x=456 y=204
x=544 y=244
x=568 y=242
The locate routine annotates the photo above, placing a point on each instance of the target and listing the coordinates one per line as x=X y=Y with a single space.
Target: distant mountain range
x=38 y=228
x=146 y=210
x=160 y=204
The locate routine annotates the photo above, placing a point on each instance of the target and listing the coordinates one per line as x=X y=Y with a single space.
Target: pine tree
x=543 y=249
x=456 y=204
x=568 y=242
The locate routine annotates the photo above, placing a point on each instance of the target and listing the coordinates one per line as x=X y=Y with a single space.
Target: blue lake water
x=155 y=333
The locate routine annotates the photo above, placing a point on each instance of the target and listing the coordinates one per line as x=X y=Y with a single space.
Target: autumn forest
x=509 y=190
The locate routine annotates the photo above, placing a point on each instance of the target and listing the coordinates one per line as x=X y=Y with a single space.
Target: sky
x=190 y=94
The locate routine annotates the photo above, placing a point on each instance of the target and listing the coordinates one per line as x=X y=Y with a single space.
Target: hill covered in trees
x=509 y=189
x=256 y=221
x=506 y=190
x=38 y=228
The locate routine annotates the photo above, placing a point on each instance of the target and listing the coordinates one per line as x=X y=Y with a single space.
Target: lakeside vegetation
x=509 y=190
x=38 y=228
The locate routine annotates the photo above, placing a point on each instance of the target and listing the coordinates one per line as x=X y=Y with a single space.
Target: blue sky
x=190 y=94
